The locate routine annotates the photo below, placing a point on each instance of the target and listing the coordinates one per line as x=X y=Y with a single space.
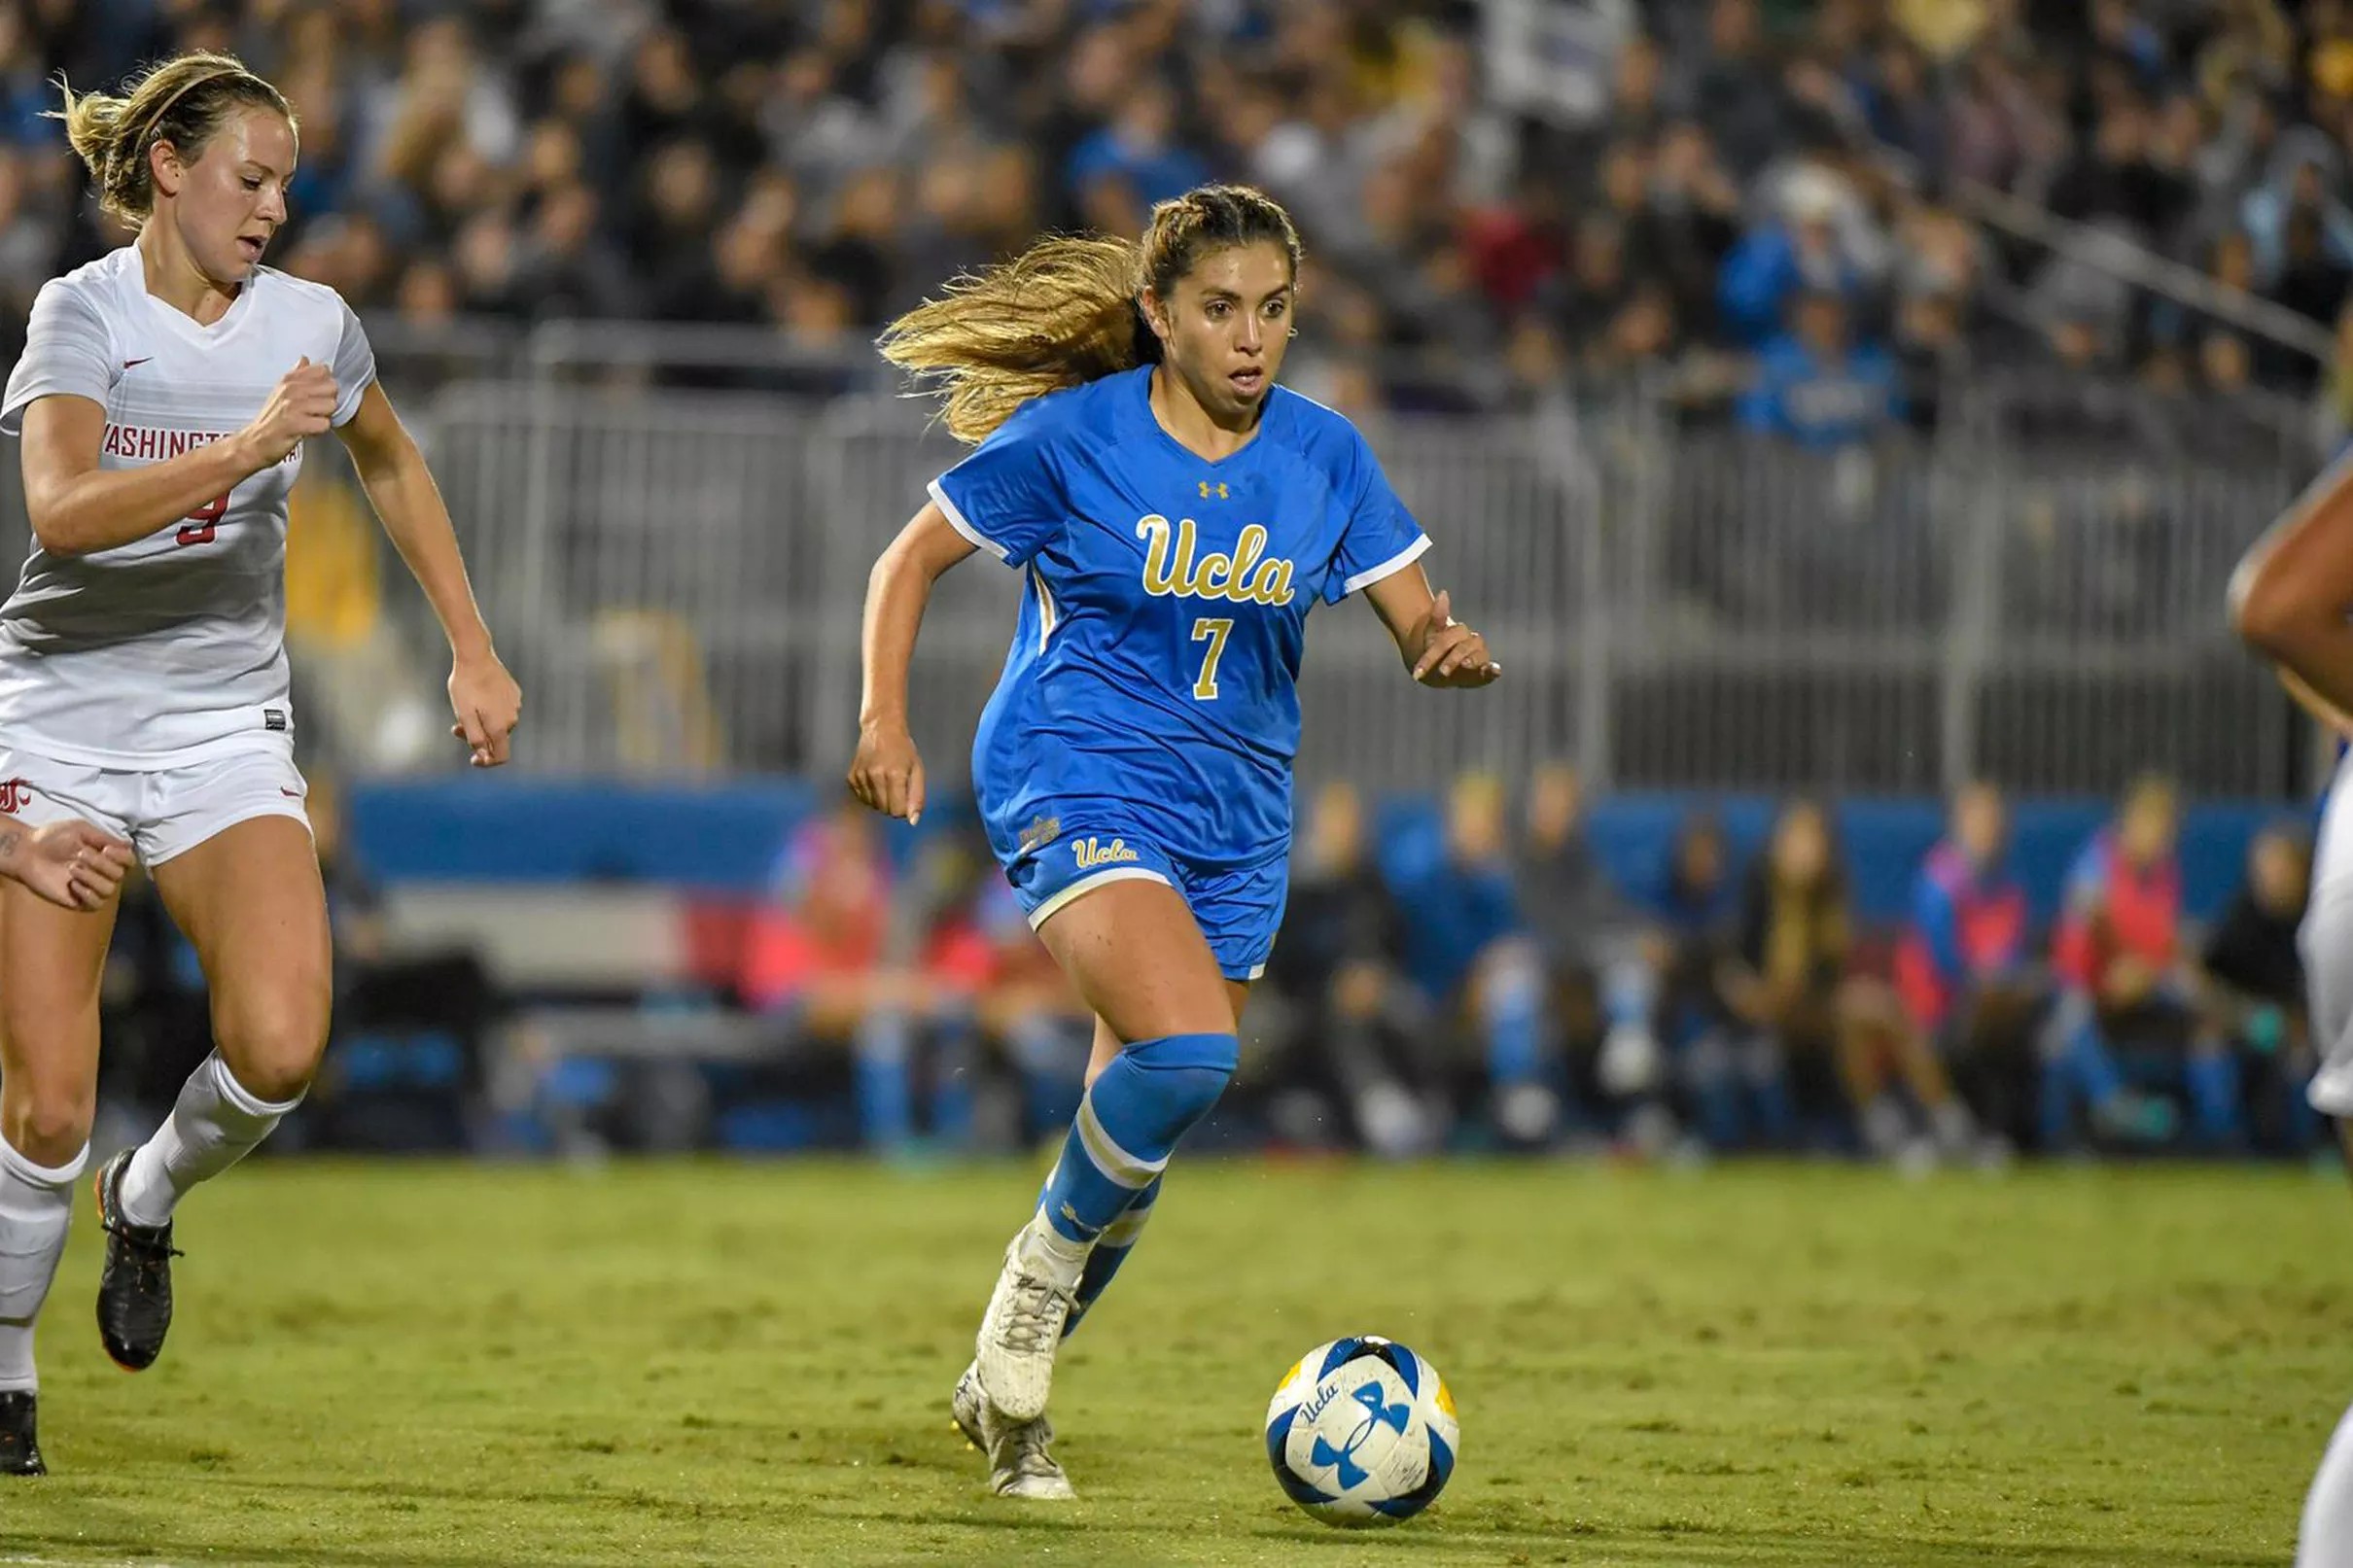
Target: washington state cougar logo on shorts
x=14 y=794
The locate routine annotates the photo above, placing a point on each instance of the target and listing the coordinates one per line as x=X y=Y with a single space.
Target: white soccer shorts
x=165 y=811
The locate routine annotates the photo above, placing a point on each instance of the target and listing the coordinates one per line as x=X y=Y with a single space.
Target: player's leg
x=2326 y=1540
x=249 y=897
x=51 y=962
x=1131 y=947
x=1119 y=1237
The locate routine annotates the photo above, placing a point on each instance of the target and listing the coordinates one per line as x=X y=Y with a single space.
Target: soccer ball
x=1362 y=1432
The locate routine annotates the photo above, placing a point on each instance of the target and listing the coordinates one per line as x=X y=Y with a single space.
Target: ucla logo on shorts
x=1091 y=852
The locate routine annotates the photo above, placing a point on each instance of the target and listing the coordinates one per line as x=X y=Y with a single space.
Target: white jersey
x=171 y=650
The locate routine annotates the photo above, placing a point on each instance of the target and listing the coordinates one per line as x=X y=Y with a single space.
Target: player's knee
x=48 y=1126
x=1190 y=1071
x=273 y=1056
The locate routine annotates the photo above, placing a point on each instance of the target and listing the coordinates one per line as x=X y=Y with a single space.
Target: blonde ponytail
x=1060 y=314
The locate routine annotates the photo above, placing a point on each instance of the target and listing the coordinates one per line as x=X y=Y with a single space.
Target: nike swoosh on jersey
x=131 y=363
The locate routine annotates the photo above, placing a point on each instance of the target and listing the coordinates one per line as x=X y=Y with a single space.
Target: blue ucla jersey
x=1156 y=660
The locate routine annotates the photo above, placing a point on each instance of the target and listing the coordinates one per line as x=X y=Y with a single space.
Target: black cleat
x=134 y=1287
x=19 y=1453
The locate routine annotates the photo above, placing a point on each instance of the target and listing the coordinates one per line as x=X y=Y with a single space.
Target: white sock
x=213 y=1125
x=36 y=1206
x=2327 y=1538
x=1049 y=1254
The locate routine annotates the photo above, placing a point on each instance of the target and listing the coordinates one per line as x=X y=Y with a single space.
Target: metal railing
x=676 y=575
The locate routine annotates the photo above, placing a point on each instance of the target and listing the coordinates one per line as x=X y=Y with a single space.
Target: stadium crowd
x=1751 y=199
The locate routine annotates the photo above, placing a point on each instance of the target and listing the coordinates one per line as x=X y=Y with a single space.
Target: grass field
x=449 y=1367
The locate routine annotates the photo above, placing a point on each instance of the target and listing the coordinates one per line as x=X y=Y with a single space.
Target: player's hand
x=888 y=773
x=488 y=704
x=72 y=864
x=302 y=405
x=1452 y=653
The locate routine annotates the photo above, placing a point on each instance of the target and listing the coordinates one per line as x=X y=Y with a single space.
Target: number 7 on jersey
x=1212 y=630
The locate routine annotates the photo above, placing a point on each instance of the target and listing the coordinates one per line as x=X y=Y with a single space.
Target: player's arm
x=2314 y=703
x=483 y=696
x=1439 y=649
x=77 y=507
x=2291 y=595
x=888 y=773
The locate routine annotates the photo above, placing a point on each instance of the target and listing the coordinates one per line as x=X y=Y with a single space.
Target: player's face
x=229 y=200
x=1225 y=326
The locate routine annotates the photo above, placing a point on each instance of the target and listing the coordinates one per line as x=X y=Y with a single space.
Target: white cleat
x=1019 y=1465
x=1019 y=1334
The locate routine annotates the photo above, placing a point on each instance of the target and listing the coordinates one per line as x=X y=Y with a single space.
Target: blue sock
x=2212 y=1073
x=885 y=1071
x=1128 y=1124
x=1514 y=1023
x=1118 y=1240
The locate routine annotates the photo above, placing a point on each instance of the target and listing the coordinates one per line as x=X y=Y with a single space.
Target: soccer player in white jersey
x=162 y=400
x=2291 y=600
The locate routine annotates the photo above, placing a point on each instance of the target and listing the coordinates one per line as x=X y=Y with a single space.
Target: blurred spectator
x=1840 y=1034
x=2298 y=184
x=2122 y=984
x=1138 y=150
x=1819 y=387
x=1352 y=1027
x=1798 y=253
x=2254 y=987
x=1602 y=965
x=817 y=960
x=1465 y=949
x=1966 y=971
x=1697 y=910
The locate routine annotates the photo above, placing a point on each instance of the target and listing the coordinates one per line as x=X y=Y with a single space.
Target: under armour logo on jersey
x=1206 y=488
x=1377 y=1414
x=14 y=794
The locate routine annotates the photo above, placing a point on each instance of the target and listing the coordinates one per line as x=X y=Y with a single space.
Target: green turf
x=463 y=1367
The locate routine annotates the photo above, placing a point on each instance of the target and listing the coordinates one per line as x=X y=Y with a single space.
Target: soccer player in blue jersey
x=1176 y=514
